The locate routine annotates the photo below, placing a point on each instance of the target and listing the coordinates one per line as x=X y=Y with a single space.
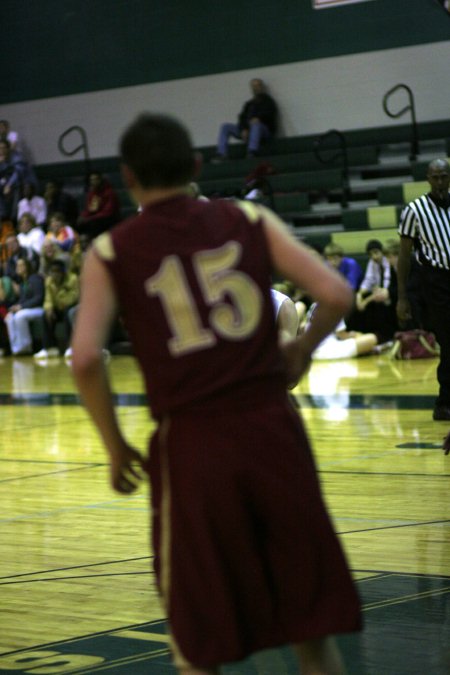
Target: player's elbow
x=343 y=297
x=85 y=362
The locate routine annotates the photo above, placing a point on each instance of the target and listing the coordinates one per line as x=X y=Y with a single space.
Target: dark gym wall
x=58 y=47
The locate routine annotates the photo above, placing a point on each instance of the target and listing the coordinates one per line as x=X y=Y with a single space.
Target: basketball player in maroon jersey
x=245 y=555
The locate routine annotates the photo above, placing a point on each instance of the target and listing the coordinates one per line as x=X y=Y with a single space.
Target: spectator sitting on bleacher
x=6 y=230
x=30 y=235
x=256 y=123
x=11 y=176
x=348 y=267
x=61 y=294
x=375 y=299
x=78 y=253
x=51 y=252
x=32 y=203
x=29 y=306
x=6 y=134
x=15 y=252
x=7 y=298
x=102 y=208
x=59 y=201
x=60 y=232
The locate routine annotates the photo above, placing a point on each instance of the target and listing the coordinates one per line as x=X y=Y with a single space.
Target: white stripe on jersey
x=424 y=220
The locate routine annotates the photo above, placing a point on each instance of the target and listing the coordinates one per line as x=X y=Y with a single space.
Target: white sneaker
x=68 y=353
x=53 y=352
x=43 y=354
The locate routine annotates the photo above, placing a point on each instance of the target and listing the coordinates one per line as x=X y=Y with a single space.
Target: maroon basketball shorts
x=245 y=555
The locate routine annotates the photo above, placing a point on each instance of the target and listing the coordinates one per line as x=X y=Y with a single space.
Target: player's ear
x=198 y=163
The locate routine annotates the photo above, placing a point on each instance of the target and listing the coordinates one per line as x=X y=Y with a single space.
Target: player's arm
x=327 y=287
x=96 y=313
x=287 y=321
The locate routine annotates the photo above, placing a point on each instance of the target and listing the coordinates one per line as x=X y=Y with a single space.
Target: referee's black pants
x=436 y=284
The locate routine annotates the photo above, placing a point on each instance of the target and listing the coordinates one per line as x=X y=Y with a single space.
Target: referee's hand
x=403 y=311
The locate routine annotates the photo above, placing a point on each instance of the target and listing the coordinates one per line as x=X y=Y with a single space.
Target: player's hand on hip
x=296 y=361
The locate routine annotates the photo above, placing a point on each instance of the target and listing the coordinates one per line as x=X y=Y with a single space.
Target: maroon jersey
x=193 y=283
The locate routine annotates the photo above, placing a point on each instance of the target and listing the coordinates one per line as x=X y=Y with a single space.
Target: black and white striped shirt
x=429 y=223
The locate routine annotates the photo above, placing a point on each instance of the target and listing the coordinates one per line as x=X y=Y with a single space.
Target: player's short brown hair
x=158 y=149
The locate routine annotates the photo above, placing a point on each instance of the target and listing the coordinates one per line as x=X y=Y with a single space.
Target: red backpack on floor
x=414 y=344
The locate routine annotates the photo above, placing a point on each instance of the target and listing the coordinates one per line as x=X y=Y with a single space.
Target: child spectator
x=374 y=300
x=61 y=294
x=348 y=267
x=60 y=232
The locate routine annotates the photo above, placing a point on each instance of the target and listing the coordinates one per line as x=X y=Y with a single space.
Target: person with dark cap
x=374 y=298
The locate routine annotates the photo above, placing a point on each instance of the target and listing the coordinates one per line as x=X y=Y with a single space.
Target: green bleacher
x=306 y=192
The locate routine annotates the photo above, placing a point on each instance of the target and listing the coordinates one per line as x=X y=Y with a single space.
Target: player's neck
x=147 y=197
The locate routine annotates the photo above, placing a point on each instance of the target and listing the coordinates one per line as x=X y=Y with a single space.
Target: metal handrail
x=412 y=107
x=341 y=153
x=82 y=146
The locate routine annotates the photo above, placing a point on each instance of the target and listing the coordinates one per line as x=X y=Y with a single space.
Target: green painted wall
x=58 y=47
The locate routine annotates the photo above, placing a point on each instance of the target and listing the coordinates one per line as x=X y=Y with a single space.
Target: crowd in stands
x=44 y=236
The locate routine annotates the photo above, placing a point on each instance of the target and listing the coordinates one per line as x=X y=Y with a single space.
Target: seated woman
x=30 y=291
x=7 y=298
x=343 y=344
x=51 y=252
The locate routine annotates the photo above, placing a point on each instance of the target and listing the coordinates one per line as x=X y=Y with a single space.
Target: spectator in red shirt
x=102 y=209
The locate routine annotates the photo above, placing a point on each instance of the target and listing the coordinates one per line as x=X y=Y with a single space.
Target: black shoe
x=441 y=413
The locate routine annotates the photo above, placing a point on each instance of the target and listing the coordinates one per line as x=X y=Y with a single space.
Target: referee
x=426 y=221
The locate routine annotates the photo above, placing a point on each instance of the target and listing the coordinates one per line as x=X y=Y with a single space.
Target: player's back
x=193 y=281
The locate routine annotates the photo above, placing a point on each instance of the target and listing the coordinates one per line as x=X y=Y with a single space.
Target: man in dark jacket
x=102 y=208
x=257 y=122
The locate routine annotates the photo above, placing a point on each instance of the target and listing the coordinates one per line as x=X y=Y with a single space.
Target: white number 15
x=219 y=281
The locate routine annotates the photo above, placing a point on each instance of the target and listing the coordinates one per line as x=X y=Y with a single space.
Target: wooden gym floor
x=77 y=591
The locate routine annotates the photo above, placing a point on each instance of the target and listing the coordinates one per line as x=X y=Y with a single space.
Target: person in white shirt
x=30 y=234
x=32 y=203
